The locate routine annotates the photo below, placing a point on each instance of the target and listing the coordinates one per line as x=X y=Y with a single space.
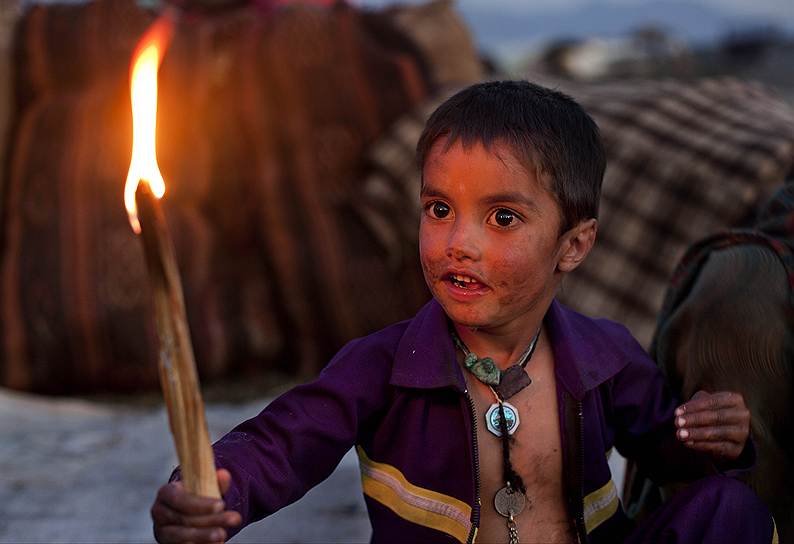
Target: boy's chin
x=464 y=317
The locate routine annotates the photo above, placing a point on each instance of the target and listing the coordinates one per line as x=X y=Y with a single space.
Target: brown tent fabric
x=685 y=160
x=10 y=12
x=263 y=119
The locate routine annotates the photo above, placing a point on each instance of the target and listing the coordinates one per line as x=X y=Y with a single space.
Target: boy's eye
x=439 y=210
x=504 y=217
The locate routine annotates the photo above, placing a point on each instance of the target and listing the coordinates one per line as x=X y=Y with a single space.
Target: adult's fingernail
x=217 y=508
x=683 y=434
x=680 y=422
x=679 y=411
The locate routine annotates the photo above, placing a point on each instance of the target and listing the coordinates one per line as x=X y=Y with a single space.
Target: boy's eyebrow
x=431 y=192
x=517 y=197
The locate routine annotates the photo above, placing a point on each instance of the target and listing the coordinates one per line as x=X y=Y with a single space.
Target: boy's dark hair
x=548 y=132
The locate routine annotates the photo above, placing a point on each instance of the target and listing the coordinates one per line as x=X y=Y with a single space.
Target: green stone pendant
x=484 y=369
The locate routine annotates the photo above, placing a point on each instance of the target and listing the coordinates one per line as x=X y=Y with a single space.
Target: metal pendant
x=514 y=379
x=511 y=418
x=509 y=502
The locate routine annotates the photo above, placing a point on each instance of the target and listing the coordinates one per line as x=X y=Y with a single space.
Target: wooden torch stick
x=177 y=366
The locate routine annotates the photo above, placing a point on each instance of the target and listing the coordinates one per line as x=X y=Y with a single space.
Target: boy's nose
x=463 y=243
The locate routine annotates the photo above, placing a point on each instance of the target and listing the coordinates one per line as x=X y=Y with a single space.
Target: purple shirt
x=399 y=396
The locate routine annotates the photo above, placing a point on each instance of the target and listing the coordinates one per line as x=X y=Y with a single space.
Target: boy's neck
x=504 y=344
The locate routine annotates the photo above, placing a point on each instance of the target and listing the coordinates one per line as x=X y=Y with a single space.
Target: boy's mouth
x=462 y=281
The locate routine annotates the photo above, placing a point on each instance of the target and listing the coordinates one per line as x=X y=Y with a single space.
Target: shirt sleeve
x=299 y=438
x=645 y=431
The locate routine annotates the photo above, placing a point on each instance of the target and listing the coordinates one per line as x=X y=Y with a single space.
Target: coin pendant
x=509 y=502
x=492 y=418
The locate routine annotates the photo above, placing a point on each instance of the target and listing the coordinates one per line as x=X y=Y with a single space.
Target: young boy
x=512 y=447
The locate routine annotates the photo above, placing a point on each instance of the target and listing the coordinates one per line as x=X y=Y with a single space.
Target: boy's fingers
x=231 y=518
x=702 y=401
x=178 y=498
x=733 y=434
x=224 y=480
x=175 y=533
x=728 y=416
x=164 y=516
x=715 y=423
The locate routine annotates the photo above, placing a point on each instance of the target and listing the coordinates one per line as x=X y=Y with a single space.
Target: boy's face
x=489 y=237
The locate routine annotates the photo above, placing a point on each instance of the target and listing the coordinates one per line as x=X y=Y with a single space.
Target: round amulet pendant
x=492 y=418
x=509 y=502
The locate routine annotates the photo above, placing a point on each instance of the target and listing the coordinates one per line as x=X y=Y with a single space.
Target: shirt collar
x=425 y=356
x=585 y=355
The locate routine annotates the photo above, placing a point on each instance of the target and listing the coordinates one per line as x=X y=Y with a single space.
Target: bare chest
x=535 y=453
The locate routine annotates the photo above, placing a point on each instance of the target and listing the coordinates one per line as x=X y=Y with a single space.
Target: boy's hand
x=717 y=423
x=180 y=516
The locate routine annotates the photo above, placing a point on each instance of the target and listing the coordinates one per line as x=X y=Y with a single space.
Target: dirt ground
x=77 y=471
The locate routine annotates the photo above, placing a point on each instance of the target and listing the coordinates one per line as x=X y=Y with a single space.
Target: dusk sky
x=509 y=28
x=775 y=8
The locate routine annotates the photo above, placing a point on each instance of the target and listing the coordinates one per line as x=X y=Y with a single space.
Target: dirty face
x=489 y=237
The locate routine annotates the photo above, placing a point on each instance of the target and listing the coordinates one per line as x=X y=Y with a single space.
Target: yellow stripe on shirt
x=387 y=485
x=600 y=505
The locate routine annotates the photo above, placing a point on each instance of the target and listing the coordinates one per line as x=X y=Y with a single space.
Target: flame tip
x=143 y=94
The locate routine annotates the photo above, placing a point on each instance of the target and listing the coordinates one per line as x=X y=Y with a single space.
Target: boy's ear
x=576 y=244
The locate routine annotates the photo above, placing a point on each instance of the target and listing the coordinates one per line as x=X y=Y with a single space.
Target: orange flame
x=143 y=92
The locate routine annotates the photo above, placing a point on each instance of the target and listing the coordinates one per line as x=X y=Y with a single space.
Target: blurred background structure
x=286 y=134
